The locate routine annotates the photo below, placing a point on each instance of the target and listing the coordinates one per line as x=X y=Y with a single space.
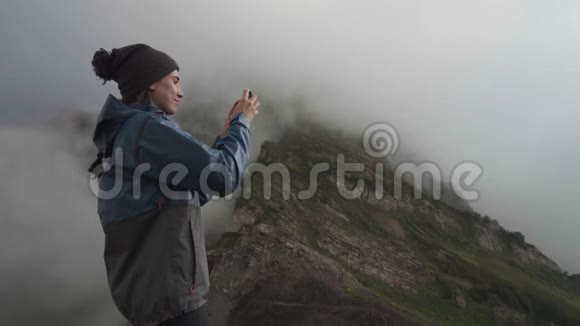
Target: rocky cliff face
x=325 y=259
x=262 y=276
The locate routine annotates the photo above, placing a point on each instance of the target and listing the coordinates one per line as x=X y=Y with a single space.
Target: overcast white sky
x=491 y=81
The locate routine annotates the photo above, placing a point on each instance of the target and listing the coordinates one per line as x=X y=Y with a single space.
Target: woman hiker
x=158 y=178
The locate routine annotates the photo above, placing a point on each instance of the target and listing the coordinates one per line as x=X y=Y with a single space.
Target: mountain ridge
x=426 y=261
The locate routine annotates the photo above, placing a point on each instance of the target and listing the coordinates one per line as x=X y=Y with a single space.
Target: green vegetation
x=459 y=269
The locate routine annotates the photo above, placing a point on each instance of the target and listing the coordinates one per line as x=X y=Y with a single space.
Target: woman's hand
x=227 y=121
x=246 y=105
x=249 y=106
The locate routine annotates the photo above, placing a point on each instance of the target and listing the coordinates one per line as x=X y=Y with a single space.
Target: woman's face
x=166 y=93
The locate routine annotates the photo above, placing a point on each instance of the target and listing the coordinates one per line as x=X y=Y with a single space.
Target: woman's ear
x=152 y=87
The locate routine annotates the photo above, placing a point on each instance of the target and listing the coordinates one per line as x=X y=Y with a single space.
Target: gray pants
x=197 y=317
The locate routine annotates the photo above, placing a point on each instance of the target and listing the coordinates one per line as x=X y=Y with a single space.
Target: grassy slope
x=455 y=260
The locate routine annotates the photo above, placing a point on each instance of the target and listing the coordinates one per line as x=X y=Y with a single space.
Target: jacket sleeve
x=215 y=141
x=163 y=143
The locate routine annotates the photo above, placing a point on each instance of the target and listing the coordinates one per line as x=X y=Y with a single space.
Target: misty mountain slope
x=575 y=279
x=336 y=261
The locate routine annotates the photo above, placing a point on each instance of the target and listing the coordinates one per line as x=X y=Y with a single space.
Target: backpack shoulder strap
x=96 y=167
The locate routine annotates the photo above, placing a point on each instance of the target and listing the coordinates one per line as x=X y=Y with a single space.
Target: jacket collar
x=112 y=115
x=145 y=107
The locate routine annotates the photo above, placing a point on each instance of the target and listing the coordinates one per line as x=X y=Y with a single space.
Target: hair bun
x=103 y=65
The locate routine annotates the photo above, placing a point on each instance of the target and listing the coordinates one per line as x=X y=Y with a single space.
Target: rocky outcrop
x=374 y=258
x=509 y=315
x=488 y=239
x=371 y=256
x=529 y=254
x=263 y=277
